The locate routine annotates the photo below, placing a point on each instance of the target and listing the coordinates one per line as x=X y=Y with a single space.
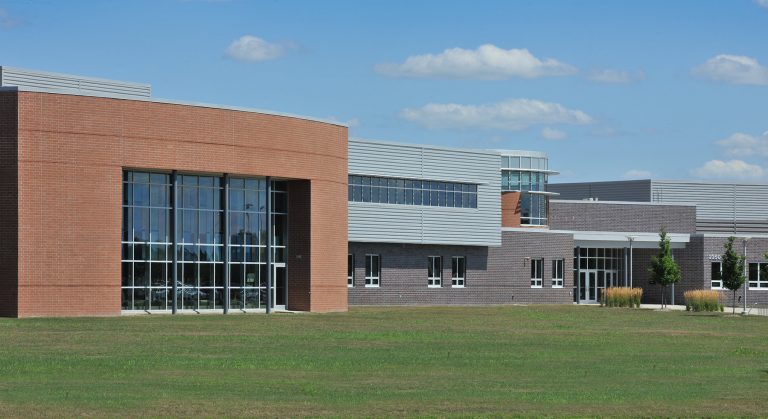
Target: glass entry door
x=587 y=287
x=280 y=289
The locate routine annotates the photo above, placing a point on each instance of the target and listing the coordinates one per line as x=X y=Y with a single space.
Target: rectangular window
x=537 y=270
x=434 y=271
x=758 y=276
x=557 y=273
x=458 y=271
x=717 y=269
x=350 y=270
x=372 y=270
x=386 y=190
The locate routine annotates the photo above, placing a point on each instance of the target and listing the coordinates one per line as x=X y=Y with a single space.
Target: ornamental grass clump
x=621 y=297
x=703 y=300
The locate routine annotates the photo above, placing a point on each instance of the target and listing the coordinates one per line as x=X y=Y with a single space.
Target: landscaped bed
x=534 y=360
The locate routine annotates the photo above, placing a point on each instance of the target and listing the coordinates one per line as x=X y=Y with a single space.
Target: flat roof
x=694 y=181
x=587 y=201
x=429 y=146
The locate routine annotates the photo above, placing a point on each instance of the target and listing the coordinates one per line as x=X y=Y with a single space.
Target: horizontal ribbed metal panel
x=54 y=81
x=391 y=223
x=720 y=207
x=626 y=190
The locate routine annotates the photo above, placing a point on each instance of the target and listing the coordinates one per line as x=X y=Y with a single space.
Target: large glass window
x=412 y=192
x=146 y=241
x=372 y=270
x=557 y=273
x=533 y=209
x=247 y=243
x=200 y=243
x=537 y=272
x=758 y=275
x=201 y=246
x=458 y=271
x=434 y=271
x=515 y=180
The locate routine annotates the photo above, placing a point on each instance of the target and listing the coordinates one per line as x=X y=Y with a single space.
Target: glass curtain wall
x=147 y=245
x=597 y=268
x=527 y=175
x=200 y=248
x=146 y=241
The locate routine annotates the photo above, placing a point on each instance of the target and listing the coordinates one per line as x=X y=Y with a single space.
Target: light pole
x=631 y=239
x=746 y=275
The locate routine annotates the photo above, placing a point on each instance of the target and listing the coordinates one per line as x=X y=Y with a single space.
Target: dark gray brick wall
x=495 y=275
x=640 y=217
x=756 y=247
x=691 y=268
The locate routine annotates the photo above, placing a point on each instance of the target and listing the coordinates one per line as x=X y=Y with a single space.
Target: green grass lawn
x=513 y=360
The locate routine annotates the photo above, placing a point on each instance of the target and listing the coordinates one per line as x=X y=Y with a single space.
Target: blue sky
x=610 y=89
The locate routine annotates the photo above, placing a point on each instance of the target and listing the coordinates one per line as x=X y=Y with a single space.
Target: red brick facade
x=510 y=209
x=71 y=153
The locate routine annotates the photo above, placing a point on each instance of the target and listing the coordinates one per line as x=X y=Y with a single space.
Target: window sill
x=458 y=286
x=557 y=286
x=536 y=286
x=434 y=286
x=372 y=286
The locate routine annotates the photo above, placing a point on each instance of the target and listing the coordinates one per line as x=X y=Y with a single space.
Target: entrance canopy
x=614 y=239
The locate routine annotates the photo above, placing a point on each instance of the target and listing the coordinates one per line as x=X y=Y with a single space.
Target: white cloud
x=510 y=115
x=350 y=123
x=7 y=21
x=735 y=69
x=548 y=133
x=745 y=145
x=637 y=174
x=613 y=76
x=732 y=169
x=762 y=3
x=253 y=49
x=487 y=62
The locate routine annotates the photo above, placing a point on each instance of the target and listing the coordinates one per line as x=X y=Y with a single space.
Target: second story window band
x=385 y=190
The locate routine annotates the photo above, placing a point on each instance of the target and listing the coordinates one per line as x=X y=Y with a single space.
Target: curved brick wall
x=71 y=154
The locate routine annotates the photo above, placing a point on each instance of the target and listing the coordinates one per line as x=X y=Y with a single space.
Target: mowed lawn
x=443 y=361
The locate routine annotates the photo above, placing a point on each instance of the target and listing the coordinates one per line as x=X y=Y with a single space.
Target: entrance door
x=587 y=287
x=279 y=290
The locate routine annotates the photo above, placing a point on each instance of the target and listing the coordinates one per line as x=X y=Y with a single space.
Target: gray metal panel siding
x=390 y=223
x=44 y=80
x=626 y=190
x=720 y=207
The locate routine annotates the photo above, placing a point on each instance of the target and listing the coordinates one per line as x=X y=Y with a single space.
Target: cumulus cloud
x=252 y=49
x=637 y=174
x=510 y=115
x=613 y=76
x=745 y=145
x=548 y=133
x=487 y=62
x=735 y=69
x=732 y=169
x=7 y=21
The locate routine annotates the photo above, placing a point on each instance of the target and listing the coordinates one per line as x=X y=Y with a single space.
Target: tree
x=664 y=269
x=733 y=269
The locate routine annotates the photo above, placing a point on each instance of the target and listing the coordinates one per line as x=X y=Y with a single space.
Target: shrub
x=621 y=297
x=703 y=300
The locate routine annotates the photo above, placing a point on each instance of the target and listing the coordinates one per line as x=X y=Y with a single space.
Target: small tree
x=733 y=269
x=663 y=269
